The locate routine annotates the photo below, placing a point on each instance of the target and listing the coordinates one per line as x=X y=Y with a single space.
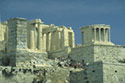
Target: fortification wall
x=15 y=58
x=113 y=73
x=82 y=53
x=92 y=73
x=60 y=53
x=99 y=72
x=109 y=53
x=105 y=53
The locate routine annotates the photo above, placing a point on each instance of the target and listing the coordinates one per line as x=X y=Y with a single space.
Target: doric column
x=32 y=40
x=100 y=34
x=104 y=35
x=44 y=41
x=82 y=37
x=53 y=41
x=50 y=34
x=106 y=38
x=94 y=34
x=58 y=40
x=66 y=37
x=47 y=41
x=35 y=38
x=63 y=39
x=40 y=38
x=109 y=35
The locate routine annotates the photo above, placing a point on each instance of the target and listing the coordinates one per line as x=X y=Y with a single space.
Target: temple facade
x=96 y=34
x=36 y=36
x=48 y=37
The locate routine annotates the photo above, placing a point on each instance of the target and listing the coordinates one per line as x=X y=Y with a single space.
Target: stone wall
x=93 y=53
x=26 y=56
x=99 y=72
x=109 y=53
x=3 y=31
x=113 y=73
x=107 y=72
x=82 y=53
x=88 y=36
x=60 y=53
x=17 y=34
x=92 y=73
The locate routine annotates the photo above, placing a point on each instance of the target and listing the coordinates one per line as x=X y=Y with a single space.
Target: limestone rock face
x=38 y=73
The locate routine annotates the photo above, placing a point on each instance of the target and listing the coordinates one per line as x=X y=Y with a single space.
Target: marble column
x=100 y=34
x=47 y=41
x=58 y=40
x=63 y=40
x=94 y=34
x=39 y=38
x=53 y=41
x=49 y=45
x=82 y=37
x=44 y=41
x=32 y=42
x=104 y=35
x=106 y=38
x=109 y=35
x=66 y=37
x=35 y=38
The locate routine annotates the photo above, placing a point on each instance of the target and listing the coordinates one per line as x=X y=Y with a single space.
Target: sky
x=71 y=13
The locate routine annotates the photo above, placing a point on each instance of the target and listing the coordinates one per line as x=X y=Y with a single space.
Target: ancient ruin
x=33 y=52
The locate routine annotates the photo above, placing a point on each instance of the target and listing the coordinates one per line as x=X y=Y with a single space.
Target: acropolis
x=33 y=52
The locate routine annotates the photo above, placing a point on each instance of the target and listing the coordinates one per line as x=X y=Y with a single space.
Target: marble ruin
x=96 y=34
x=33 y=52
